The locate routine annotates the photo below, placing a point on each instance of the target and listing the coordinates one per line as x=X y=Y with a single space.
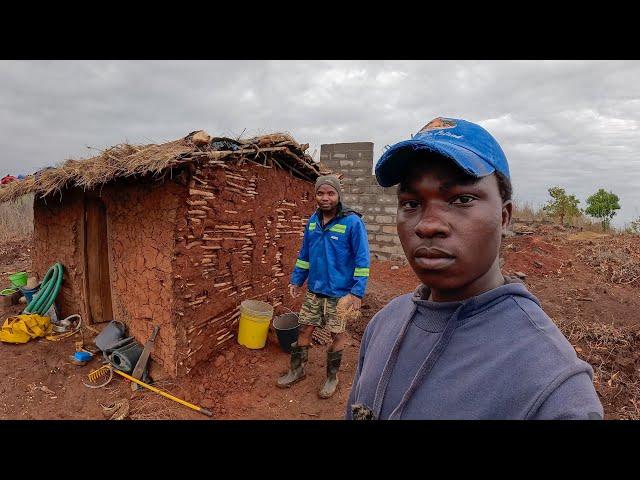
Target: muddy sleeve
x=360 y=247
x=574 y=399
x=301 y=269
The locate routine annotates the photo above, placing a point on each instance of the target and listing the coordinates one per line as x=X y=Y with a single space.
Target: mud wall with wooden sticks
x=58 y=236
x=142 y=219
x=239 y=234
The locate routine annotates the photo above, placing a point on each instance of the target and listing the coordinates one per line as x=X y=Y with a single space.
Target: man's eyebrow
x=405 y=188
x=466 y=180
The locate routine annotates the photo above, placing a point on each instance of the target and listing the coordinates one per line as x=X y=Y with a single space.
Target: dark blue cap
x=469 y=145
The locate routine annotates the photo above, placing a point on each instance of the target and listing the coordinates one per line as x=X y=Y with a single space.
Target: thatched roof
x=279 y=150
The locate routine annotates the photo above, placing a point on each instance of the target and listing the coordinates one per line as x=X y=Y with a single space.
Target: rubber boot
x=299 y=357
x=333 y=365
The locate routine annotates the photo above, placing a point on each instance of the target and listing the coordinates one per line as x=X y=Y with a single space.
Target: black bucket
x=287 y=330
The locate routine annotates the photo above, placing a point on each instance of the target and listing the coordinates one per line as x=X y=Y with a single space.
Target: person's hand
x=294 y=290
x=350 y=301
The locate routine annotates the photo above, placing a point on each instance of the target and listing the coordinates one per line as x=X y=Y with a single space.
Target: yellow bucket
x=253 y=327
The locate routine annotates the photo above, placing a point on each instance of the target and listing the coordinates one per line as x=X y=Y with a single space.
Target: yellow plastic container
x=253 y=327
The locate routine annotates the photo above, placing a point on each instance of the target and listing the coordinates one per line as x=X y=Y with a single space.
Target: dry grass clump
x=613 y=353
x=16 y=219
x=618 y=262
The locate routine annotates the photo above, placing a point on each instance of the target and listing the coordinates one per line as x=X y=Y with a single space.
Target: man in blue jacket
x=468 y=343
x=334 y=260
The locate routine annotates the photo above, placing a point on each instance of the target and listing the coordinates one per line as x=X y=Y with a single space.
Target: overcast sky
x=568 y=123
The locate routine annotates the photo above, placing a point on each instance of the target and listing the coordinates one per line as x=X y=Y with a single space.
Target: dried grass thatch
x=124 y=160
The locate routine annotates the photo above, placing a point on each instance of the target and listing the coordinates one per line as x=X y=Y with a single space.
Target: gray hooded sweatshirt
x=493 y=356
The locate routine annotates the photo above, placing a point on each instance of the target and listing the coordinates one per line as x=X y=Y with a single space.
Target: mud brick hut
x=175 y=235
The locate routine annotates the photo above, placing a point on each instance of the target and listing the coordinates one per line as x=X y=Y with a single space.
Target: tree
x=562 y=206
x=634 y=226
x=603 y=205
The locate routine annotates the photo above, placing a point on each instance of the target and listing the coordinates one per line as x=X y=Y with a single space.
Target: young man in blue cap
x=334 y=260
x=469 y=343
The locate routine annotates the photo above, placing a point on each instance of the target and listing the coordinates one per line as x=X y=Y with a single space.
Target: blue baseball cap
x=469 y=145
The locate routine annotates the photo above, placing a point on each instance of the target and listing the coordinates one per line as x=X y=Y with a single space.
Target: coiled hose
x=49 y=289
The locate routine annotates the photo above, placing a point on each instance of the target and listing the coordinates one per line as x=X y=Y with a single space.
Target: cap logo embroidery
x=447 y=134
x=438 y=124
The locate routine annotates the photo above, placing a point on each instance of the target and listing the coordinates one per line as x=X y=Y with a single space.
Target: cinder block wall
x=362 y=193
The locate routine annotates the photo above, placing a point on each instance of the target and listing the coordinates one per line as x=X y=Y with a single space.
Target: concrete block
x=346 y=163
x=385 y=238
x=390 y=229
x=327 y=159
x=368 y=198
x=358 y=154
x=358 y=189
x=378 y=255
x=362 y=181
x=331 y=165
x=388 y=200
x=386 y=249
x=384 y=219
x=358 y=172
x=371 y=227
x=365 y=163
x=373 y=209
x=391 y=210
x=348 y=147
x=340 y=156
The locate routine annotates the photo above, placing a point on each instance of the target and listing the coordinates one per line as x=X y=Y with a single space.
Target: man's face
x=327 y=198
x=450 y=226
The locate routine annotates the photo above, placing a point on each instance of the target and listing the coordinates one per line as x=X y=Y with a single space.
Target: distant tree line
x=601 y=205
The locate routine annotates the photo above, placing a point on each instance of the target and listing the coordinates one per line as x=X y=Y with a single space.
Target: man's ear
x=507 y=210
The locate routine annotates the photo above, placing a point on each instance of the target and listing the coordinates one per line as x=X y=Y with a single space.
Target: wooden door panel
x=97 y=251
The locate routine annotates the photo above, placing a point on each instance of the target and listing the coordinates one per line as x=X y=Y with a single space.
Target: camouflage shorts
x=323 y=312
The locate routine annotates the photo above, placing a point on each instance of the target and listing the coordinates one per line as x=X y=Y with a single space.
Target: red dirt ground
x=597 y=315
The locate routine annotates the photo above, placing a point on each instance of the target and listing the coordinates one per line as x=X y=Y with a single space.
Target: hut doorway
x=97 y=261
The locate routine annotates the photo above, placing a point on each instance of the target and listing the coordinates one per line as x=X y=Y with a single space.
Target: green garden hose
x=49 y=289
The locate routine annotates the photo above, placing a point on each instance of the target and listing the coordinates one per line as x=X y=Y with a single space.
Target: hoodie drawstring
x=422 y=372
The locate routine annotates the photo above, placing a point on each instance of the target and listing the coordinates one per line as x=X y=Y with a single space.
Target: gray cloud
x=569 y=123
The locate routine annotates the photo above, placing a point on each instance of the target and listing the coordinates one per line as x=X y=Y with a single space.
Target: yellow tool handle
x=165 y=394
